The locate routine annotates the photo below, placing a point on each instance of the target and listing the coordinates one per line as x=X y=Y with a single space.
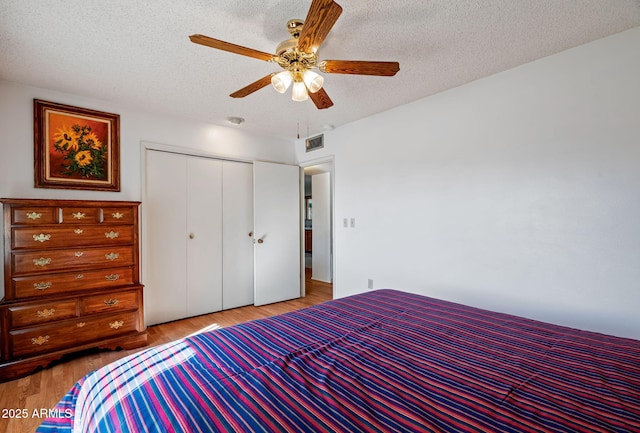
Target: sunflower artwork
x=76 y=148
x=82 y=151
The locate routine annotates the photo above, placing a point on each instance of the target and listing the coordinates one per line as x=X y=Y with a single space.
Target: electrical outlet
x=353 y=222
x=346 y=222
x=370 y=283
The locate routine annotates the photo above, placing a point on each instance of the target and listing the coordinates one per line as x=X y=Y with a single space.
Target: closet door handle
x=191 y=236
x=260 y=241
x=250 y=234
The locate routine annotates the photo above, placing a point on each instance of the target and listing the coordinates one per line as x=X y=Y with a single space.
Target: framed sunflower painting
x=76 y=148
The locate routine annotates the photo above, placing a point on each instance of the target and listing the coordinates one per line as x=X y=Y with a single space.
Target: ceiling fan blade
x=321 y=17
x=255 y=86
x=321 y=99
x=359 y=67
x=232 y=48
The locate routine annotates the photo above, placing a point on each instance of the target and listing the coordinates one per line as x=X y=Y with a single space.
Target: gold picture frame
x=75 y=148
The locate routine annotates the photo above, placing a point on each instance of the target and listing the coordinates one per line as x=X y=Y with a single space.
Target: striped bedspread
x=381 y=361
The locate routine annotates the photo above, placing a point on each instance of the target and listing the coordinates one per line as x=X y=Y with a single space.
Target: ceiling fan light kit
x=313 y=81
x=303 y=82
x=281 y=81
x=299 y=92
x=299 y=54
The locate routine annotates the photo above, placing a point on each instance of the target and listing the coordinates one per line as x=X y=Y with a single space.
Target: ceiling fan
x=299 y=55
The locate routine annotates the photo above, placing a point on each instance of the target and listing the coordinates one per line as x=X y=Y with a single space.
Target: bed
x=384 y=360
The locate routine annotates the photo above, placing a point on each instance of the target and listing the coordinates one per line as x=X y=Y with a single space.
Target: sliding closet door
x=204 y=235
x=203 y=216
x=183 y=206
x=165 y=243
x=237 y=234
x=277 y=232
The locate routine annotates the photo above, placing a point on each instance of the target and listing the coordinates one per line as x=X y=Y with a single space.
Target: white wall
x=519 y=192
x=16 y=144
x=321 y=224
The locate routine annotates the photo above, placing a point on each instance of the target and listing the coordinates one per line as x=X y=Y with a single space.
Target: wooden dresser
x=71 y=281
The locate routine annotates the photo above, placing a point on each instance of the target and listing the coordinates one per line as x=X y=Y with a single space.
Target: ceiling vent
x=315 y=143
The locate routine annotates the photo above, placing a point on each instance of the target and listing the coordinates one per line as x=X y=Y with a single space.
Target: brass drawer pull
x=79 y=253
x=40 y=340
x=112 y=277
x=117 y=215
x=111 y=256
x=79 y=276
x=79 y=215
x=42 y=285
x=78 y=231
x=42 y=238
x=80 y=324
x=111 y=235
x=33 y=215
x=45 y=313
x=41 y=261
x=111 y=302
x=117 y=324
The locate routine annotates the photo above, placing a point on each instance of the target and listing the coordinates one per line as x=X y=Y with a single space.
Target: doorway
x=317 y=213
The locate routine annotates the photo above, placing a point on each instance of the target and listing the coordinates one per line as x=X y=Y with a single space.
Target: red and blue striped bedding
x=381 y=361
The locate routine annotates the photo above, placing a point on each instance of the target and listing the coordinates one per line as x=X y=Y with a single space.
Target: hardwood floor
x=26 y=397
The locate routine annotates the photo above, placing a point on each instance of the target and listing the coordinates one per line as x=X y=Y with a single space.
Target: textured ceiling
x=137 y=53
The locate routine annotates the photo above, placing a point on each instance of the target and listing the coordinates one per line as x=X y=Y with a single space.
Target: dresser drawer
x=34 y=314
x=34 y=215
x=80 y=215
x=112 y=301
x=123 y=215
x=45 y=285
x=70 y=333
x=76 y=258
x=56 y=237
